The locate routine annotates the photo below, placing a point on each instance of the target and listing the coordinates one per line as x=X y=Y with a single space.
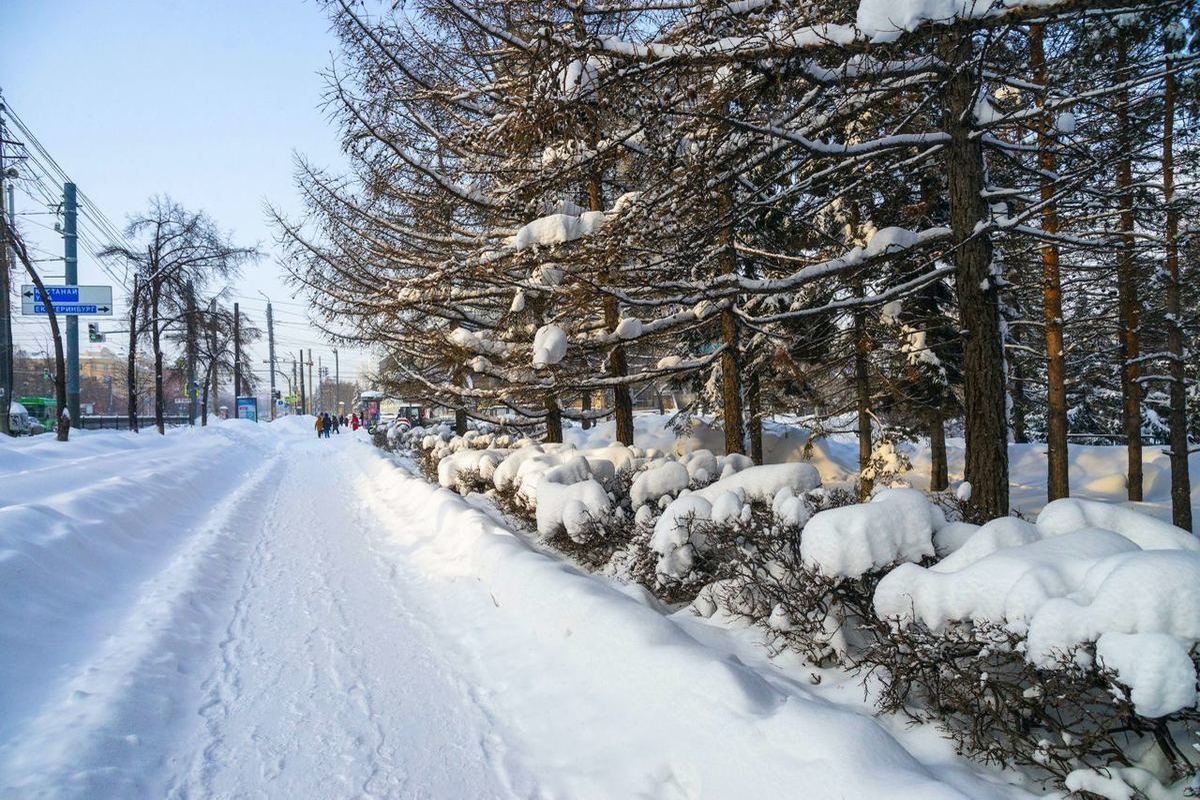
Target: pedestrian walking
x=354 y=422
x=337 y=425
x=320 y=426
x=328 y=424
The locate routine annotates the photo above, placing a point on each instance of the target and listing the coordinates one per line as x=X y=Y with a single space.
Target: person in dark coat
x=328 y=424
x=337 y=424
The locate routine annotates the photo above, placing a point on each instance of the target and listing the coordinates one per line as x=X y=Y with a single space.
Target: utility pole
x=237 y=354
x=337 y=383
x=6 y=350
x=320 y=383
x=311 y=385
x=271 y=352
x=71 y=256
x=6 y=378
x=303 y=399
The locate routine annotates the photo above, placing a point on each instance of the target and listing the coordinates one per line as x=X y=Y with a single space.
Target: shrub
x=974 y=682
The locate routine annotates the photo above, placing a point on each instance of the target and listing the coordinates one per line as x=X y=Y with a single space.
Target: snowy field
x=244 y=611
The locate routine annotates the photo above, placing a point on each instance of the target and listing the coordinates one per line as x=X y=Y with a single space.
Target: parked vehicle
x=21 y=422
x=39 y=411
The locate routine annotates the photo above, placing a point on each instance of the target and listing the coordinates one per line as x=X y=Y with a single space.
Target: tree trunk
x=862 y=398
x=585 y=406
x=62 y=416
x=731 y=390
x=1127 y=290
x=192 y=348
x=1181 y=488
x=618 y=364
x=1057 y=477
x=754 y=403
x=204 y=402
x=554 y=430
x=131 y=377
x=979 y=312
x=939 y=469
x=156 y=343
x=1019 y=402
x=460 y=421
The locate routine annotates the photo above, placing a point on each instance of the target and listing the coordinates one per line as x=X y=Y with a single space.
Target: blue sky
x=206 y=101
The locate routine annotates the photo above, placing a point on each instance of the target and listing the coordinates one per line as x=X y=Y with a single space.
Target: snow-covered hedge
x=1067 y=645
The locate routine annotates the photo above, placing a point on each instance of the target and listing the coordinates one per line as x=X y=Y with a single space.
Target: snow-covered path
x=275 y=655
x=248 y=611
x=328 y=685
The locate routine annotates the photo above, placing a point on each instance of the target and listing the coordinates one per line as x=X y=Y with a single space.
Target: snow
x=1118 y=783
x=847 y=542
x=246 y=609
x=1155 y=666
x=891 y=240
x=207 y=615
x=570 y=506
x=484 y=461
x=884 y=20
x=1131 y=589
x=1064 y=123
x=1070 y=514
x=675 y=539
x=666 y=478
x=556 y=229
x=764 y=482
x=1008 y=585
x=629 y=328
x=1155 y=591
x=549 y=346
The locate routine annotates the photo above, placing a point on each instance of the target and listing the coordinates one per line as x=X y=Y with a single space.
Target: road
x=278 y=652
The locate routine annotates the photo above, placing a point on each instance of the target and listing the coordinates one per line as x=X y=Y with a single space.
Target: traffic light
x=94 y=334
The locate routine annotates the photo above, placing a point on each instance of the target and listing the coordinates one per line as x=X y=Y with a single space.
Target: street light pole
x=271 y=350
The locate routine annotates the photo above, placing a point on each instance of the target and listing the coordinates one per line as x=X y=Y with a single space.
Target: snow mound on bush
x=1144 y=591
x=570 y=507
x=764 y=482
x=1068 y=514
x=983 y=541
x=452 y=465
x=660 y=480
x=1156 y=668
x=505 y=476
x=847 y=542
x=675 y=540
x=1006 y=586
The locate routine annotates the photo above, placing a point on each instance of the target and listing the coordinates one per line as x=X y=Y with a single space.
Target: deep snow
x=246 y=610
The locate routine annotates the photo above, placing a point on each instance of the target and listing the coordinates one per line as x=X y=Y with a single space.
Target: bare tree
x=184 y=252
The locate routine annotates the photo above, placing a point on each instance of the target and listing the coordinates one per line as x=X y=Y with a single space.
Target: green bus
x=40 y=408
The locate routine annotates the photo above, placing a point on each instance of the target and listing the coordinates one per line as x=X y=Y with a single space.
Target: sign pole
x=71 y=253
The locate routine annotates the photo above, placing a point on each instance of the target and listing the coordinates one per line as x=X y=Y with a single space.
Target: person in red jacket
x=354 y=422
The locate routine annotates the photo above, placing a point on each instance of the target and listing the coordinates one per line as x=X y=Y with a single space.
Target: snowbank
x=1131 y=590
x=659 y=711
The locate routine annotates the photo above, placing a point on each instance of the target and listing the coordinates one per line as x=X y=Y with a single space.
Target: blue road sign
x=69 y=300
